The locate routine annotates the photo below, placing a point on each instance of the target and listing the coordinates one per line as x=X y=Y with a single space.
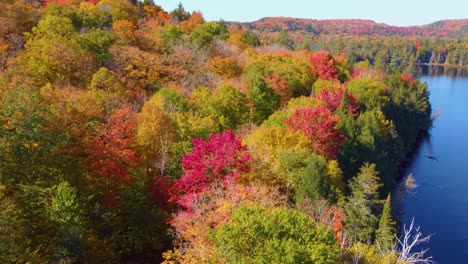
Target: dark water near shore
x=440 y=202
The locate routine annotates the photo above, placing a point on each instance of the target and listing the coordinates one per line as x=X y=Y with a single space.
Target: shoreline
x=445 y=65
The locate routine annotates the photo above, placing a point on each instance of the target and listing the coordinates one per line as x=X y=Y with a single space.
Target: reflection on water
x=441 y=70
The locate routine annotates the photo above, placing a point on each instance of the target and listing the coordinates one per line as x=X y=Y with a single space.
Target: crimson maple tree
x=222 y=158
x=333 y=100
x=159 y=191
x=322 y=65
x=319 y=125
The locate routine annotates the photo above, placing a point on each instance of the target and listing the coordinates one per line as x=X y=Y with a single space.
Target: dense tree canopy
x=132 y=134
x=257 y=235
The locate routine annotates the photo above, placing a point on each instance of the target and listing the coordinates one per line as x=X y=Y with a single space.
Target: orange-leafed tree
x=125 y=31
x=155 y=12
x=137 y=68
x=280 y=85
x=112 y=152
x=195 y=19
x=226 y=68
x=329 y=215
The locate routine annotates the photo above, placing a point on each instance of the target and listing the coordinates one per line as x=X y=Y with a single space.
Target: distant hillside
x=359 y=27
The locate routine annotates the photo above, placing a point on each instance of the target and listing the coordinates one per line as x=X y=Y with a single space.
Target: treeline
x=396 y=54
x=391 y=52
x=359 y=27
x=131 y=134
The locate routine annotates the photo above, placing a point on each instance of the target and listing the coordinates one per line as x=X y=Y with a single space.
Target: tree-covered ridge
x=359 y=27
x=386 y=47
x=129 y=134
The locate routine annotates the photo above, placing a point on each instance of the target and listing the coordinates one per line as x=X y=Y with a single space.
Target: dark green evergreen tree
x=250 y=38
x=348 y=157
x=385 y=234
x=362 y=205
x=312 y=183
x=285 y=40
x=265 y=100
x=179 y=14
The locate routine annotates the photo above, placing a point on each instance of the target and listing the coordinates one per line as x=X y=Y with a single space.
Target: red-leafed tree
x=322 y=65
x=221 y=158
x=334 y=98
x=334 y=217
x=327 y=214
x=112 y=153
x=319 y=125
x=408 y=79
x=159 y=191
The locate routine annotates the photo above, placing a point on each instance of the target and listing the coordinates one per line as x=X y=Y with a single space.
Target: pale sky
x=392 y=12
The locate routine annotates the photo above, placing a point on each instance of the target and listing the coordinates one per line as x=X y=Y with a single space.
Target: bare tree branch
x=410 y=238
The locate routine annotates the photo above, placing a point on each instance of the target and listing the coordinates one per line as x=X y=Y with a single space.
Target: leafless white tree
x=162 y=164
x=410 y=238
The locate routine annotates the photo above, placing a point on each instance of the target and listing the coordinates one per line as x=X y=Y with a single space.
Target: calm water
x=440 y=203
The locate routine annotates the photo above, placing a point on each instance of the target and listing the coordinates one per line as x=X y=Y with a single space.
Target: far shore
x=445 y=65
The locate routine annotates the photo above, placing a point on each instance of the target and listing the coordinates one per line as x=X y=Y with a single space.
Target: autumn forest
x=133 y=134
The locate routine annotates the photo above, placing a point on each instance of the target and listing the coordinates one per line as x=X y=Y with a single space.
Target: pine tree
x=412 y=67
x=361 y=219
x=385 y=233
x=348 y=157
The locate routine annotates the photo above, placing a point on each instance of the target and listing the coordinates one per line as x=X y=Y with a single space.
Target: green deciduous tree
x=227 y=105
x=264 y=99
x=259 y=235
x=205 y=32
x=285 y=40
x=119 y=9
x=13 y=229
x=65 y=212
x=372 y=93
x=52 y=55
x=97 y=42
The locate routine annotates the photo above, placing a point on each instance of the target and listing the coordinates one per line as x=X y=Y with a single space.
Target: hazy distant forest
x=132 y=134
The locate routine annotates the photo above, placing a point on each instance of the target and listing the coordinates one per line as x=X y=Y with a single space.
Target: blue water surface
x=440 y=202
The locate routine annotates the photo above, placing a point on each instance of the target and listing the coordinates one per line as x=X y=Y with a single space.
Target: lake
x=440 y=168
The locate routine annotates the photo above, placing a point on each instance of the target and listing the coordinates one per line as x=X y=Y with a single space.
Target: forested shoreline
x=132 y=134
x=444 y=65
x=386 y=47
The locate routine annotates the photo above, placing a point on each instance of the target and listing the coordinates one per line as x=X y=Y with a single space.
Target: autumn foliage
x=225 y=67
x=220 y=159
x=334 y=98
x=210 y=208
x=319 y=125
x=323 y=65
x=120 y=121
x=112 y=153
